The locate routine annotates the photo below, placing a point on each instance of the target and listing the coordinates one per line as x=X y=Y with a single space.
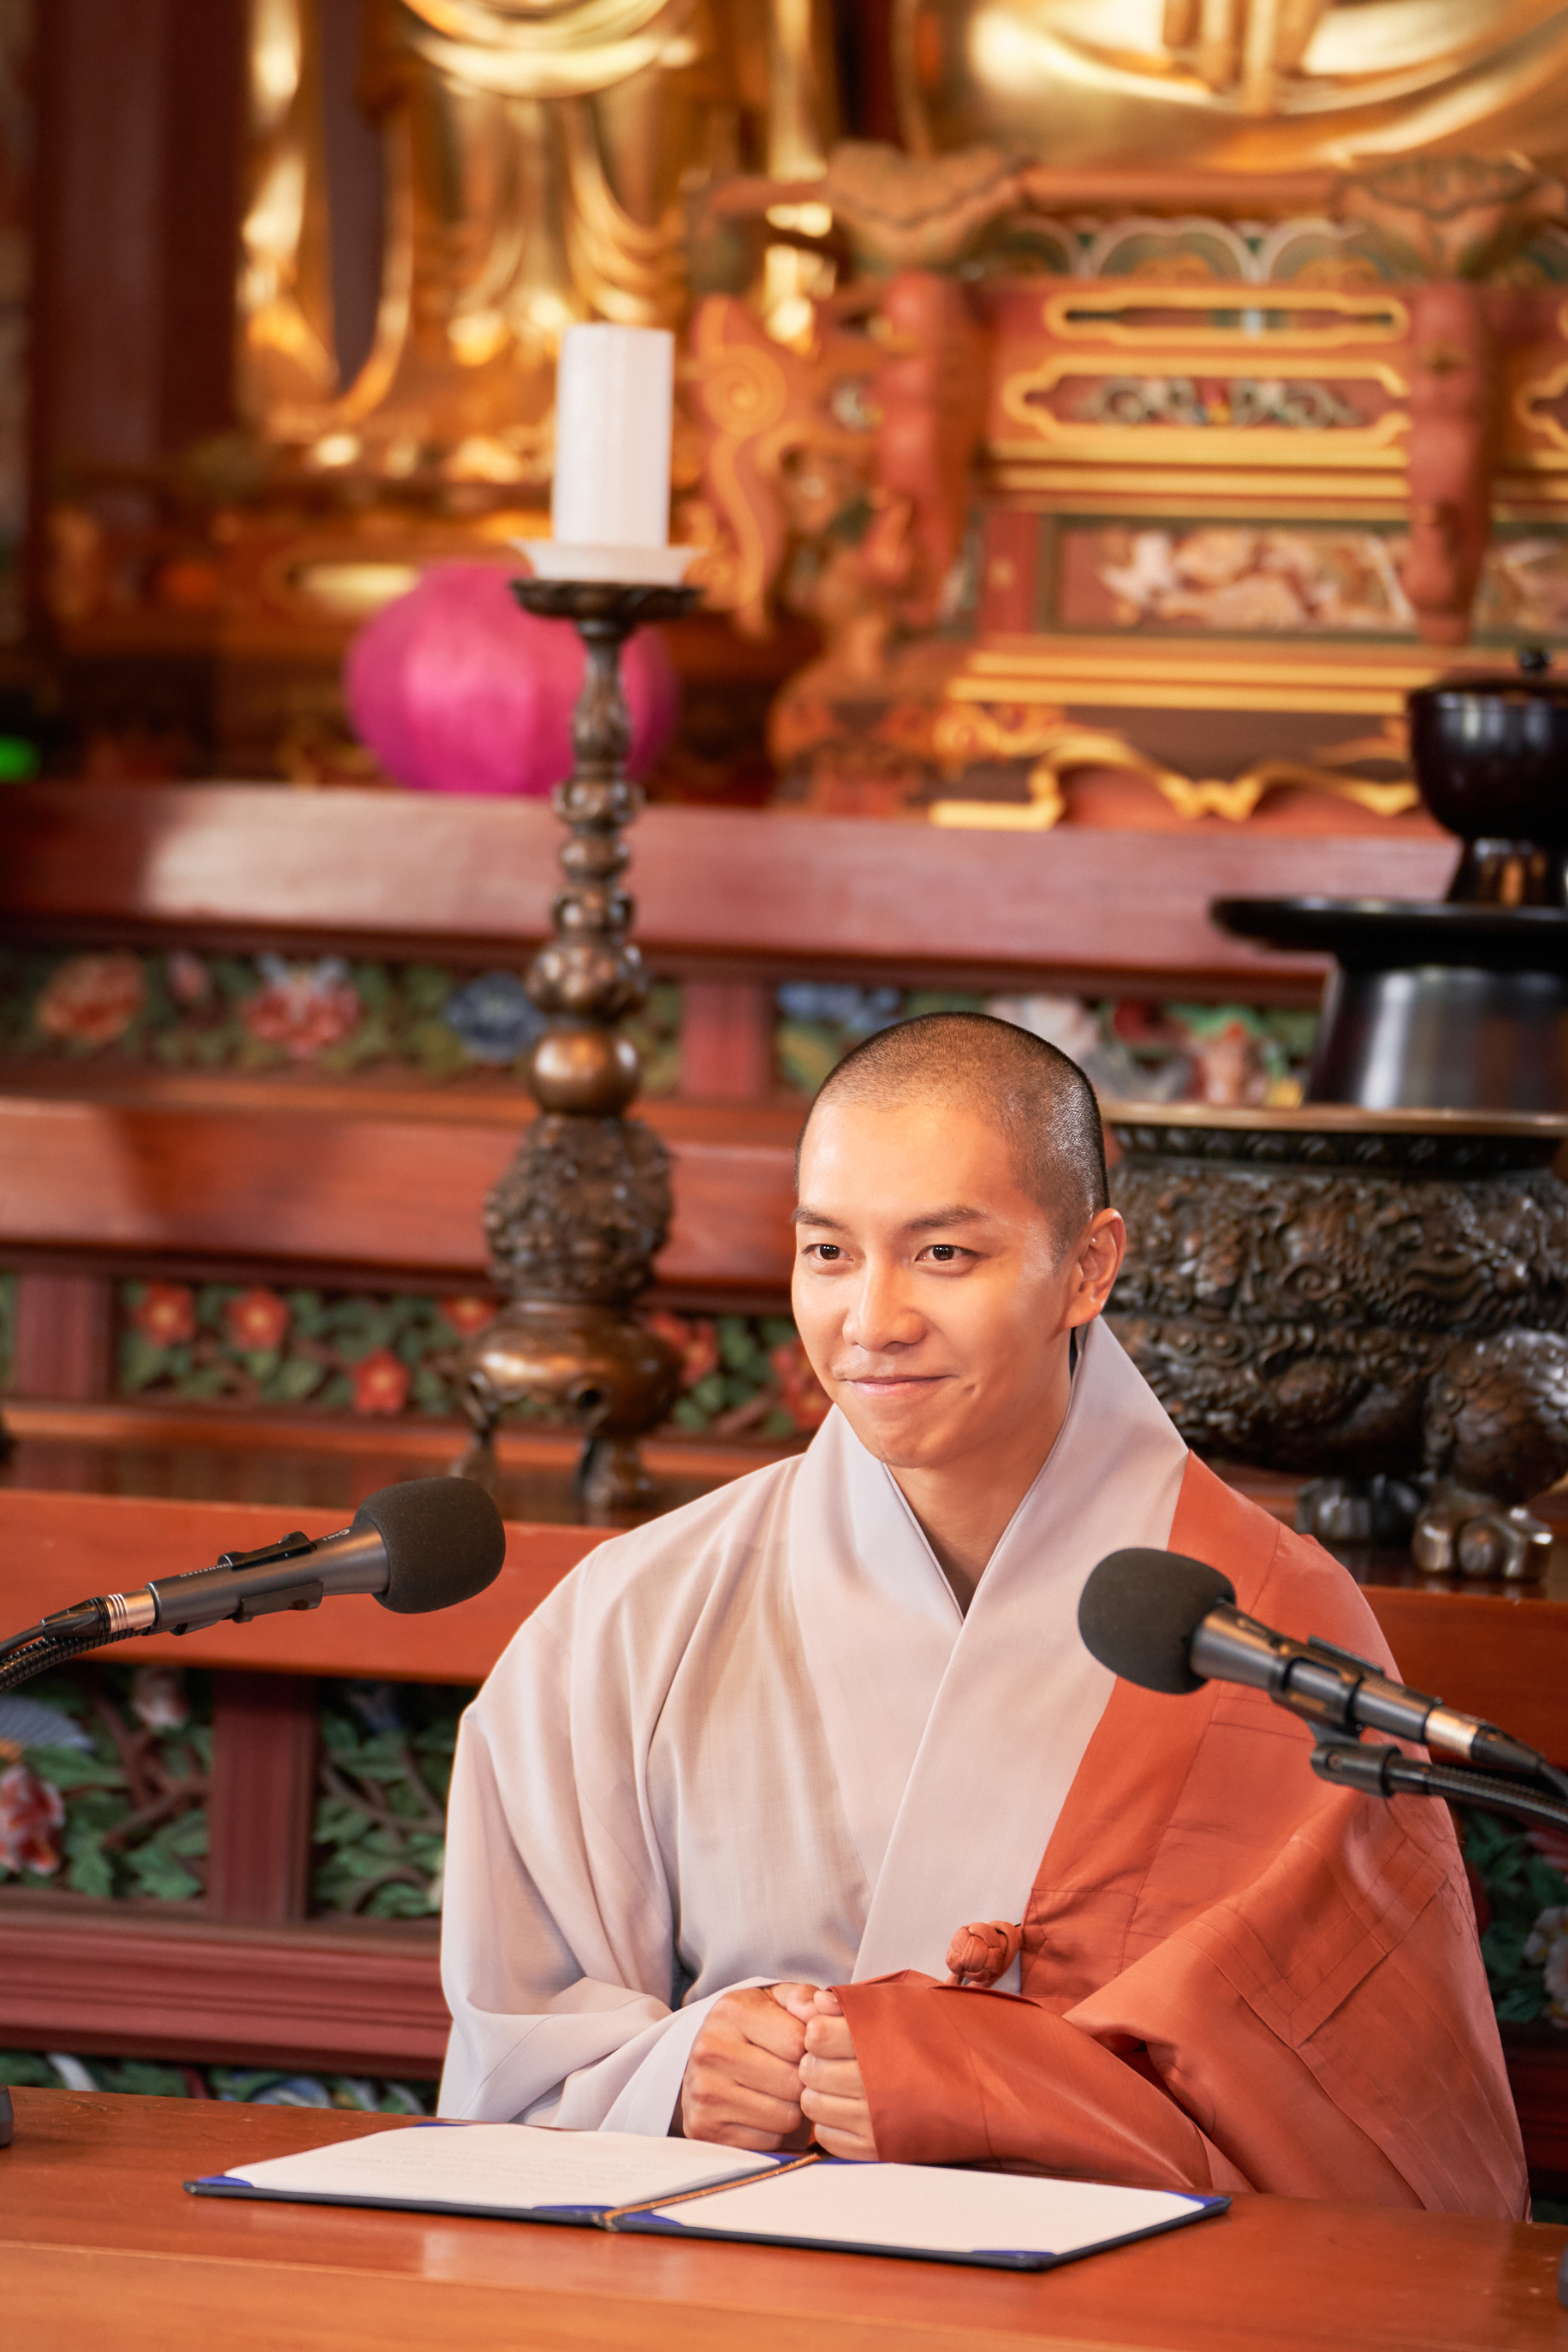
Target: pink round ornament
x=456 y=689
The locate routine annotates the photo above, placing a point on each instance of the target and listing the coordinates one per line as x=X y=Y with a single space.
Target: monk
x=804 y=1812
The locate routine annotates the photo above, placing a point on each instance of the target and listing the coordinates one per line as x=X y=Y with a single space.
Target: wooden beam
x=1538 y=2077
x=216 y=1452
x=1500 y=1655
x=744 y=888
x=137 y=209
x=160 y=1981
x=56 y=1549
x=138 y=1173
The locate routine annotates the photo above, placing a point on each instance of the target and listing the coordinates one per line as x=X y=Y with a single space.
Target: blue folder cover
x=702 y=2215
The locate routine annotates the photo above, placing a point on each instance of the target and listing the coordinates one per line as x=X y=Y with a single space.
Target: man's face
x=932 y=1293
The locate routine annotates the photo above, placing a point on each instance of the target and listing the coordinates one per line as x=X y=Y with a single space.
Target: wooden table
x=100 y=2245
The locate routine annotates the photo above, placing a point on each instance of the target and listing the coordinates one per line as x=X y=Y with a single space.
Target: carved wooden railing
x=190 y=1174
x=247 y=1977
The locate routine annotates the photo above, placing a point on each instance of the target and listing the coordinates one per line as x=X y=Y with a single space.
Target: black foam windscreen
x=443 y=1538
x=1140 y=1610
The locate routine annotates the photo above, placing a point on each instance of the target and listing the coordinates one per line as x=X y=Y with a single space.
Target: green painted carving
x=103 y=1782
x=360 y=1353
x=1519 y=1878
x=263 y=2086
x=381 y=1813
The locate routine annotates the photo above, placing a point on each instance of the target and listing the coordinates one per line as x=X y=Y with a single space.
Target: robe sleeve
x=557 y=1925
x=965 y=2076
x=971 y=2078
x=1182 y=2072
x=1169 y=2077
x=1235 y=1976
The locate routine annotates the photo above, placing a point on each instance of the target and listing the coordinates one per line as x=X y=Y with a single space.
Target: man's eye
x=944 y=1252
x=826 y=1251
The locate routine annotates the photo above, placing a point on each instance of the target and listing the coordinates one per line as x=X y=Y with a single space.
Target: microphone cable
x=34 y=1652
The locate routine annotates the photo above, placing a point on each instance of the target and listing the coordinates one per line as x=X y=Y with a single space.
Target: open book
x=619 y=2180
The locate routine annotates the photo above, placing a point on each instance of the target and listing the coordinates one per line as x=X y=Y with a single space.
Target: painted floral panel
x=103 y=1781
x=182 y=1010
x=262 y=2086
x=1132 y=1051
x=357 y=1352
x=1519 y=1880
x=333 y=1352
x=381 y=1809
x=1234 y=580
x=1264 y=580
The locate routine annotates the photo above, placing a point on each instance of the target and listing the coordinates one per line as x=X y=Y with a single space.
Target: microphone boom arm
x=418 y=1544
x=239 y=1585
x=1334 y=1690
x=1388 y=1772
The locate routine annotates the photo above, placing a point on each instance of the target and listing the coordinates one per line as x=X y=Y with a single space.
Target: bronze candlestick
x=576 y=1221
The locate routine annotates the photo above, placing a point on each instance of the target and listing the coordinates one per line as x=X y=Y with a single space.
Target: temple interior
x=1114 y=576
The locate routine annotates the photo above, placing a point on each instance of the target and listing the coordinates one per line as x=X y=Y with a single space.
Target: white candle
x=613 y=395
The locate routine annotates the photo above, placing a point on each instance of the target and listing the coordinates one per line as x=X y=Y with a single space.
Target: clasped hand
x=774 y=2067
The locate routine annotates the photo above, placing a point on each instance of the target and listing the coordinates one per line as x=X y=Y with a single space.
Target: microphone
x=422 y=1545
x=1170 y=1623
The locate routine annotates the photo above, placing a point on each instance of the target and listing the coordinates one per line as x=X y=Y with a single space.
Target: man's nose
x=882 y=1313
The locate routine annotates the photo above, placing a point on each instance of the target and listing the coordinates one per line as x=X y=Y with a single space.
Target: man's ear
x=1097 y=1256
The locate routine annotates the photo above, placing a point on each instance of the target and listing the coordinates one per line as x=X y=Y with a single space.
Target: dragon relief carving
x=1353 y=1323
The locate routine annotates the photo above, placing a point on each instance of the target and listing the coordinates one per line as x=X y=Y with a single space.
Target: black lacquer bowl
x=1490 y=755
x=1461 y=1004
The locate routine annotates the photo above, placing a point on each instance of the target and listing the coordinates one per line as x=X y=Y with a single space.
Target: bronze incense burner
x=1379 y=1299
x=1373 y=1288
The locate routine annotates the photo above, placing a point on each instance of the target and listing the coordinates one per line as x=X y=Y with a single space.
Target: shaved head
x=1040 y=1100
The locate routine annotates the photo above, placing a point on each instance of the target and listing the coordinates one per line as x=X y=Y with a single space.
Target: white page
x=930 y=2208
x=505 y=2168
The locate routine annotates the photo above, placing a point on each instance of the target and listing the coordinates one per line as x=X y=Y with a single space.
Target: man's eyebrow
x=955 y=1216
x=929 y=1221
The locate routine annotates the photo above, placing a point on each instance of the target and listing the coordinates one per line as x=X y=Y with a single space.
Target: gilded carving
x=284 y=297
x=539 y=161
x=1058 y=750
x=750 y=398
x=1324 y=320
x=1230 y=85
x=1444 y=216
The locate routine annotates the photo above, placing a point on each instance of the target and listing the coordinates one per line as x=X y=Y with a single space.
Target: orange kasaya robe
x=1234 y=1975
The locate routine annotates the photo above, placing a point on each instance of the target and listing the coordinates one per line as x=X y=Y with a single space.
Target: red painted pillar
x=727 y=1039
x=263 y=1798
